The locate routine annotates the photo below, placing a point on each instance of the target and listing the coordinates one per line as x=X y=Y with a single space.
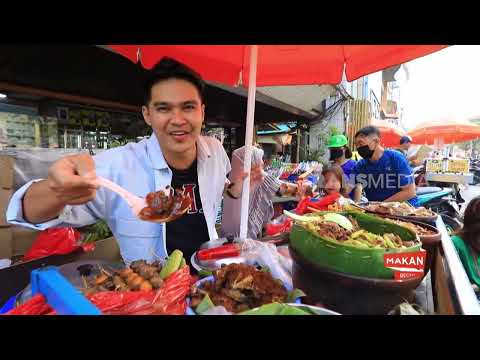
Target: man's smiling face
x=176 y=113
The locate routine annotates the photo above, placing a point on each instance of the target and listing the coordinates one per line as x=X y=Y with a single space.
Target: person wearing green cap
x=340 y=153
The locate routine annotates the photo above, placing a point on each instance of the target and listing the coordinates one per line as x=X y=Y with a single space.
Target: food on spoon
x=165 y=205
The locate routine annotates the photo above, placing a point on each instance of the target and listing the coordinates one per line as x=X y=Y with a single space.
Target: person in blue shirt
x=175 y=155
x=384 y=175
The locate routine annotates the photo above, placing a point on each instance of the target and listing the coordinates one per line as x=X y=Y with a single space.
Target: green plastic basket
x=350 y=259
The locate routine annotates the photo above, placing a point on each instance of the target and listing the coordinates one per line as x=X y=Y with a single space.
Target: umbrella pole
x=252 y=83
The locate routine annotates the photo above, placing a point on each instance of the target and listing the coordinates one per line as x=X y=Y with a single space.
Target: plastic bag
x=281 y=225
x=56 y=241
x=37 y=305
x=170 y=299
x=33 y=163
x=267 y=255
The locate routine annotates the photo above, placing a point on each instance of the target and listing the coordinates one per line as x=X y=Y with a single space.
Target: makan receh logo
x=406 y=265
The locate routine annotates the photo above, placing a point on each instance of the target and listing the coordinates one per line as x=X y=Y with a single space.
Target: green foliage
x=95 y=232
x=322 y=150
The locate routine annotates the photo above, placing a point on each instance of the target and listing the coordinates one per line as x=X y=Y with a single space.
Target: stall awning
x=284 y=139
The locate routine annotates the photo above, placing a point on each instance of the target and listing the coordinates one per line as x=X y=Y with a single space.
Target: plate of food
x=401 y=210
x=239 y=288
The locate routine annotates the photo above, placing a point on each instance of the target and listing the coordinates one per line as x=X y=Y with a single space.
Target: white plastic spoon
x=136 y=203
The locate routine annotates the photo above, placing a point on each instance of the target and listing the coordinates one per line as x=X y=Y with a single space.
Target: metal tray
x=428 y=219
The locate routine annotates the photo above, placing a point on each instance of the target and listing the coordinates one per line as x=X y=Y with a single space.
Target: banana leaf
x=350 y=259
x=276 y=309
x=204 y=305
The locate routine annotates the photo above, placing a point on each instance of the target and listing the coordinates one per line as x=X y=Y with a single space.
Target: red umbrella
x=390 y=134
x=280 y=64
x=444 y=132
x=267 y=65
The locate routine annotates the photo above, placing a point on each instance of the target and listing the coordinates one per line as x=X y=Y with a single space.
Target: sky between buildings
x=443 y=85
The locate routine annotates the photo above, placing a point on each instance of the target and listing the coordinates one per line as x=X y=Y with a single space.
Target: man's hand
x=70 y=182
x=256 y=177
x=72 y=179
x=358 y=193
x=408 y=192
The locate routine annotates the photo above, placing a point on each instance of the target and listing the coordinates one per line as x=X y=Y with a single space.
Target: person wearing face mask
x=340 y=154
x=384 y=175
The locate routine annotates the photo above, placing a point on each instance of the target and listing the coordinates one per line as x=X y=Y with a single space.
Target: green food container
x=348 y=259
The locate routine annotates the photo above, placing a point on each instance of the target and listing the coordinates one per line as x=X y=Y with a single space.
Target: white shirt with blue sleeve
x=140 y=168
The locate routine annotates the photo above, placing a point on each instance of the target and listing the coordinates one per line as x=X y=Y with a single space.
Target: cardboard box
x=22 y=239
x=6 y=171
x=5 y=196
x=6 y=245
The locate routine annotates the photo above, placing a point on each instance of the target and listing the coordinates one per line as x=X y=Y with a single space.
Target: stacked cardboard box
x=14 y=240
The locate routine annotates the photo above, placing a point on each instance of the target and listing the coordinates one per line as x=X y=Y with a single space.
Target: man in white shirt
x=174 y=155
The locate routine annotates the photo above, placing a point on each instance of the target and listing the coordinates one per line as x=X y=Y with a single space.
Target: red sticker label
x=407 y=275
x=410 y=260
x=407 y=265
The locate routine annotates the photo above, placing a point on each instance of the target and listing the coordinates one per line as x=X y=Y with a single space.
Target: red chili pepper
x=302 y=206
x=323 y=203
x=225 y=251
x=275 y=229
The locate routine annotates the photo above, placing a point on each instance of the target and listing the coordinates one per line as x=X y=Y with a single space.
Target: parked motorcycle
x=444 y=200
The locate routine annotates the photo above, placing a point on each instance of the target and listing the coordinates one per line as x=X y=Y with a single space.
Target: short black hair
x=405 y=139
x=168 y=68
x=368 y=130
x=348 y=152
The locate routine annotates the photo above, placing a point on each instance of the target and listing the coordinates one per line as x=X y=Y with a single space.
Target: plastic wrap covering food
x=170 y=299
x=267 y=255
x=32 y=164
